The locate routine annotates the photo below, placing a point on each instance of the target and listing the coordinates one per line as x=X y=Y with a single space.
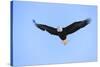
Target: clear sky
x=31 y=46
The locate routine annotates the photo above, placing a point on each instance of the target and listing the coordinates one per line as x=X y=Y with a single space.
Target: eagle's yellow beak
x=64 y=42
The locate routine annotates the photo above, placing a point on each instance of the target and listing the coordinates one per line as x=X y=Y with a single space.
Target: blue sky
x=31 y=46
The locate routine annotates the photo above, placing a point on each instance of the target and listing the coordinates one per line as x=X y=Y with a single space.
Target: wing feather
x=75 y=26
x=49 y=29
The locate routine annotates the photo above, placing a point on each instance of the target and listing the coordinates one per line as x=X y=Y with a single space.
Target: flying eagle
x=65 y=31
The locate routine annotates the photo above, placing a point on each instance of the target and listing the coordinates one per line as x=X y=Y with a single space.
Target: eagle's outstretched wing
x=75 y=26
x=49 y=29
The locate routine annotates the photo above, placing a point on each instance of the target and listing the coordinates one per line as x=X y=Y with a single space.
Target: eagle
x=63 y=32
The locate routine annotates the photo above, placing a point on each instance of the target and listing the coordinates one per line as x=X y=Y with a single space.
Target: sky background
x=31 y=46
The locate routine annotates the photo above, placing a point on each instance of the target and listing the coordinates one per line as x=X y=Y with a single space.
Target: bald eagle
x=65 y=31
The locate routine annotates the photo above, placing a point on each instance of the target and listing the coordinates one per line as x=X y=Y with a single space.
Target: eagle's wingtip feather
x=34 y=21
x=88 y=20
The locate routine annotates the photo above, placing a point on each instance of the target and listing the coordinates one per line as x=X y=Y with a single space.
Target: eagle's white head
x=59 y=29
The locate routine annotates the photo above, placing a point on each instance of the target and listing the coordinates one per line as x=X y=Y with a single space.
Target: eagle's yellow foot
x=65 y=42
